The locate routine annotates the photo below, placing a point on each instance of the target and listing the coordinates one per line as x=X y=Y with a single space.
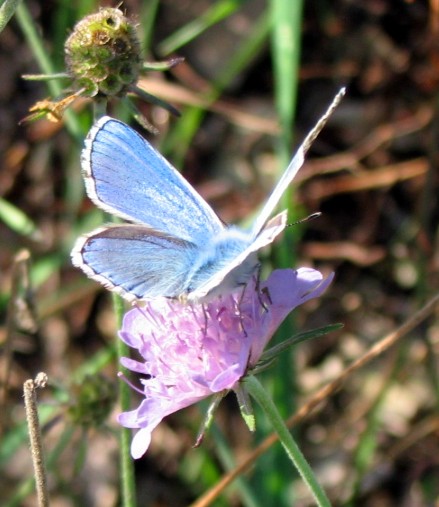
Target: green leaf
x=273 y=352
x=7 y=10
x=245 y=406
x=18 y=221
x=218 y=12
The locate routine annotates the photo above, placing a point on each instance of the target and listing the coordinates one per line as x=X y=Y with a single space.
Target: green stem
x=294 y=453
x=127 y=479
x=99 y=110
x=286 y=36
x=40 y=53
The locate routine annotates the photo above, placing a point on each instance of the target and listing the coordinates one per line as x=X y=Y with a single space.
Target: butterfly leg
x=262 y=292
x=238 y=309
x=206 y=317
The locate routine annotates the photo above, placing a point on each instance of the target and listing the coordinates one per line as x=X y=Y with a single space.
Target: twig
x=184 y=96
x=318 y=398
x=382 y=177
x=379 y=137
x=30 y=403
x=19 y=281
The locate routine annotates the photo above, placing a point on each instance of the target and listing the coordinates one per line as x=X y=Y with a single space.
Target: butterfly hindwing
x=135 y=261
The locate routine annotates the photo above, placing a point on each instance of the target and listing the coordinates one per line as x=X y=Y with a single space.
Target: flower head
x=103 y=61
x=191 y=352
x=103 y=53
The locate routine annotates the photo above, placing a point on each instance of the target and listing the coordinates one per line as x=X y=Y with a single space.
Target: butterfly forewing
x=127 y=177
x=293 y=167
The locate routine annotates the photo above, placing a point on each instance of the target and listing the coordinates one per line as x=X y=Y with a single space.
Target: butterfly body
x=175 y=246
x=220 y=253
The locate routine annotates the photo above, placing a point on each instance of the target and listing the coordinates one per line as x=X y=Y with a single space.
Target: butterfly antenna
x=310 y=138
x=306 y=219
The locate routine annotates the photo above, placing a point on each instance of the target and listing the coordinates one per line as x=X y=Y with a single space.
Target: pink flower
x=190 y=352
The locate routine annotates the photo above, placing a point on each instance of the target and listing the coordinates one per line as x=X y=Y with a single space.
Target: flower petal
x=141 y=441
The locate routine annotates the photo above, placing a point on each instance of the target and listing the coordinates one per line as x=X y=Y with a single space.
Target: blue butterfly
x=175 y=246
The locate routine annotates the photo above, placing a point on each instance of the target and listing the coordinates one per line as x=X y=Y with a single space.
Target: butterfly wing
x=294 y=166
x=239 y=270
x=127 y=177
x=135 y=261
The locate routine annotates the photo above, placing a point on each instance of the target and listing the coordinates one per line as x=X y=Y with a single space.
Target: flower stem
x=294 y=453
x=127 y=479
x=30 y=402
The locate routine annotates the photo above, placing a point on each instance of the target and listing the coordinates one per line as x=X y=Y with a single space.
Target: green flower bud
x=92 y=400
x=103 y=60
x=103 y=53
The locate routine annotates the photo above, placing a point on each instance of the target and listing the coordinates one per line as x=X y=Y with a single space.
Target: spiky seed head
x=103 y=53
